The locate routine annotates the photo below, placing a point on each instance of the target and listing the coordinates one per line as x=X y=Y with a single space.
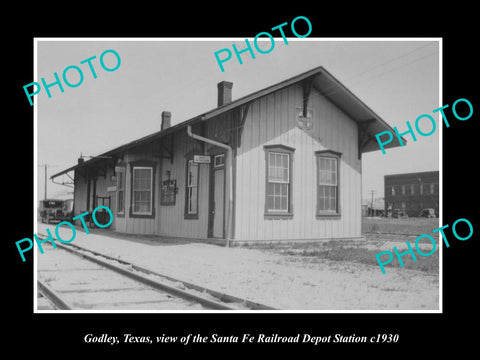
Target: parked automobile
x=68 y=210
x=400 y=214
x=50 y=210
x=428 y=213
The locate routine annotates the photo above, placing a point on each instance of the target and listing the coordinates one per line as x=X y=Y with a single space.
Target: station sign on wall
x=202 y=159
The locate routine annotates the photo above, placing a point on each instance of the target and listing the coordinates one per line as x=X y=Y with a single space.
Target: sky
x=398 y=79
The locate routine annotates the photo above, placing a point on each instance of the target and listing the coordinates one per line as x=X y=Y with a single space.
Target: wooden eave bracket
x=363 y=137
x=168 y=150
x=307 y=89
x=244 y=114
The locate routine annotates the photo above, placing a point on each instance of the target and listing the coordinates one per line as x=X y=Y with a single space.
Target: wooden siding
x=79 y=193
x=128 y=223
x=102 y=183
x=271 y=120
x=172 y=220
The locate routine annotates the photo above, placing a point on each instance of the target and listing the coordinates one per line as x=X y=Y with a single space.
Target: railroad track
x=72 y=277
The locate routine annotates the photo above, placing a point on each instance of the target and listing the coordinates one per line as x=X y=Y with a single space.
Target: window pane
x=120 y=202
x=332 y=204
x=271 y=159
x=321 y=203
x=192 y=173
x=193 y=198
x=270 y=189
x=120 y=192
x=327 y=198
x=275 y=174
x=142 y=183
x=141 y=179
x=278 y=167
x=327 y=171
x=189 y=200
x=284 y=203
x=333 y=178
x=270 y=202
x=277 y=196
x=120 y=181
x=278 y=181
x=219 y=160
x=192 y=186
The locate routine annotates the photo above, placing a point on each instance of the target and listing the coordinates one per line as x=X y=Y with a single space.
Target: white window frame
x=121 y=191
x=335 y=185
x=277 y=181
x=133 y=190
x=221 y=156
x=190 y=186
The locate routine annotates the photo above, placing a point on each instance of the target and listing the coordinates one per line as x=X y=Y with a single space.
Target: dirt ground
x=414 y=226
x=286 y=281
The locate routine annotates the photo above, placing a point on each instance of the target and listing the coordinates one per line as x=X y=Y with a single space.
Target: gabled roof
x=322 y=81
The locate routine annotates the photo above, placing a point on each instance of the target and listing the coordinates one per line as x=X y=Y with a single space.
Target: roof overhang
x=369 y=122
x=343 y=98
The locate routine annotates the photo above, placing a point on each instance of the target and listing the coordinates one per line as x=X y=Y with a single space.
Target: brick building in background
x=412 y=192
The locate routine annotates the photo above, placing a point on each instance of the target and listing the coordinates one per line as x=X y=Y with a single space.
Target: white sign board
x=111 y=188
x=202 y=159
x=119 y=169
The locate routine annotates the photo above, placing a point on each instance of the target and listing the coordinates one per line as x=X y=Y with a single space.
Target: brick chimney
x=166 y=116
x=224 y=92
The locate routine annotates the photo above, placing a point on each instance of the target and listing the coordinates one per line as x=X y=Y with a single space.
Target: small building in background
x=375 y=208
x=412 y=193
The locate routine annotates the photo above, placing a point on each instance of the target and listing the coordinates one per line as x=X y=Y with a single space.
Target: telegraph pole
x=45 y=166
x=45 y=193
x=371 y=206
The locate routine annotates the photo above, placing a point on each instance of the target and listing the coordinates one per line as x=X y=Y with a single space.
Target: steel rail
x=252 y=305
x=151 y=282
x=221 y=296
x=53 y=296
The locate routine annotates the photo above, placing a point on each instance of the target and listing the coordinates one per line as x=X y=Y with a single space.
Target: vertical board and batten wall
x=138 y=225
x=171 y=221
x=79 y=194
x=271 y=120
x=103 y=182
x=168 y=220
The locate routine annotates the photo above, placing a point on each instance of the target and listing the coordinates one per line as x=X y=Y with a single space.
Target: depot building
x=280 y=164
